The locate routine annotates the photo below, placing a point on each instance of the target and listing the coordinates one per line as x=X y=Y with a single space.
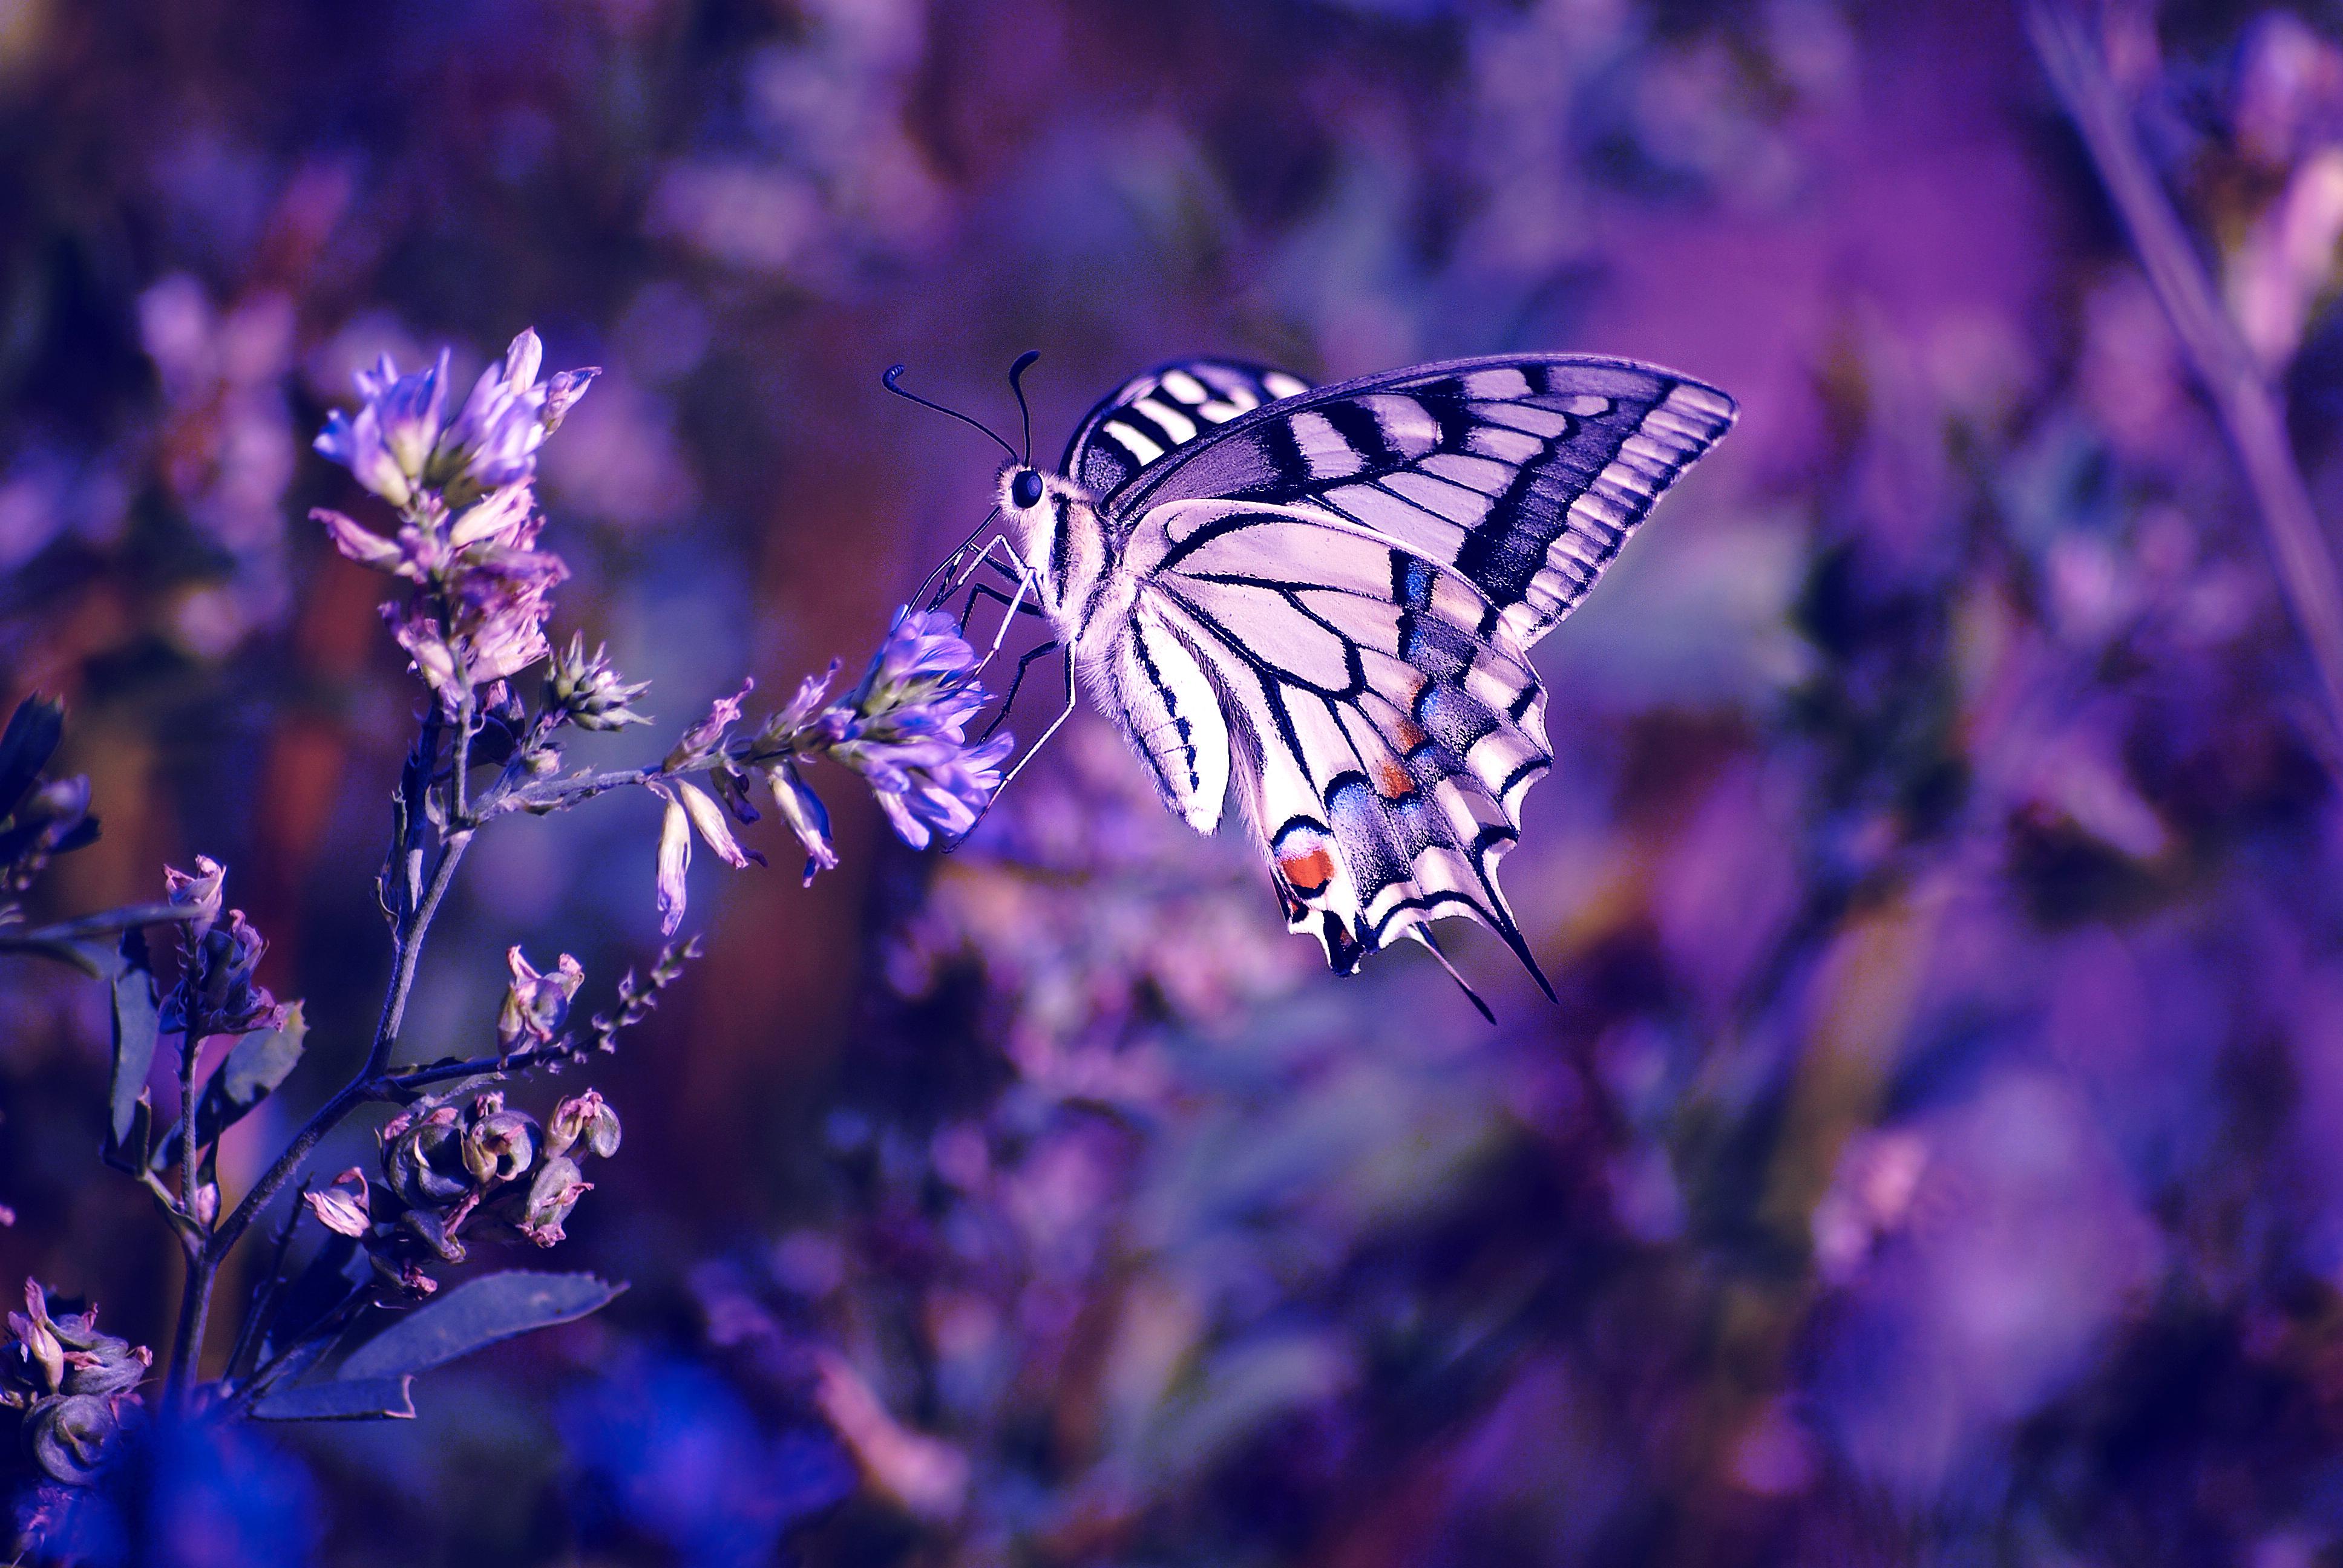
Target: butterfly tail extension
x=1432 y=945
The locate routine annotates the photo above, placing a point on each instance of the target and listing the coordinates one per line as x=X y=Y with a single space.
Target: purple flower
x=908 y=735
x=689 y=809
x=493 y=440
x=483 y=590
x=387 y=443
x=808 y=817
x=703 y=739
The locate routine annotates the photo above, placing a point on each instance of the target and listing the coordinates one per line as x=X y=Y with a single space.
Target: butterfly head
x=1053 y=524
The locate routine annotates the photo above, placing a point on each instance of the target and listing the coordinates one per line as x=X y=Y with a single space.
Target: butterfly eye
x=1025 y=489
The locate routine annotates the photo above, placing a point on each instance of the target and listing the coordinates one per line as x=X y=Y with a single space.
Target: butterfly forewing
x=1152 y=416
x=1526 y=475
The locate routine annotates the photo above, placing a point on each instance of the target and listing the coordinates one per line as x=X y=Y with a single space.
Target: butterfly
x=1323 y=599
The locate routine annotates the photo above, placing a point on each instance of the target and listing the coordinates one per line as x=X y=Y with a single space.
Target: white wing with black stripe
x=1152 y=415
x=1380 y=742
x=1525 y=474
x=1326 y=598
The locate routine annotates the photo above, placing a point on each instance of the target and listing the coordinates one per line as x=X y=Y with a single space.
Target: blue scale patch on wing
x=1152 y=416
x=1524 y=474
x=1380 y=741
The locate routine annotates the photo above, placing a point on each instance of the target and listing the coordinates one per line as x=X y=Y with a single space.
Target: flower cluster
x=904 y=728
x=402 y=446
x=908 y=730
x=470 y=524
x=73 y=1385
x=216 y=993
x=464 y=1160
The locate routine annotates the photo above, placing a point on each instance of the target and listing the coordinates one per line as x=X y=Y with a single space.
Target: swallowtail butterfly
x=1326 y=597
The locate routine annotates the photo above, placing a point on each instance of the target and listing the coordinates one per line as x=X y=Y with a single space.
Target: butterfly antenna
x=1437 y=952
x=1016 y=385
x=888 y=381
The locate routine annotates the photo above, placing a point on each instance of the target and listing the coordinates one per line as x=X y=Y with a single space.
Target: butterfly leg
x=1055 y=724
x=1009 y=700
x=1016 y=605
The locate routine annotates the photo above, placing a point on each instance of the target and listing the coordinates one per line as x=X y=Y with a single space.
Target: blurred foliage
x=1933 y=1157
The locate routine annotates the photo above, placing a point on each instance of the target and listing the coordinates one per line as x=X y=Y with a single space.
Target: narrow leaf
x=476 y=1314
x=255 y=1065
x=32 y=737
x=340 y=1398
x=130 y=1153
x=93 y=962
x=135 y=1027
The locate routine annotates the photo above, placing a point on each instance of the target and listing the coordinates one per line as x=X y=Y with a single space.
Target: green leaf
x=130 y=1154
x=255 y=1065
x=340 y=1398
x=32 y=737
x=89 y=958
x=135 y=1027
x=474 y=1314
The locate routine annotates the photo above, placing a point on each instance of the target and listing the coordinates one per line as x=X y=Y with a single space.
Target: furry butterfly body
x=1323 y=600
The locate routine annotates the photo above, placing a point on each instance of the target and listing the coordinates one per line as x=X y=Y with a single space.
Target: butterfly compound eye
x=1025 y=489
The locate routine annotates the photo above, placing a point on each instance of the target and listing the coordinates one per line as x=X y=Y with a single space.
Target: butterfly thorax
x=1064 y=541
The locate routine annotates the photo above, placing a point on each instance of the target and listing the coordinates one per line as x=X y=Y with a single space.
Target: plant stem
x=187 y=1338
x=553 y=794
x=415 y=924
x=410 y=949
x=2250 y=410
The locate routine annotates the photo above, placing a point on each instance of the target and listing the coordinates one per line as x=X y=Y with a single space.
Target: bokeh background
x=1937 y=1153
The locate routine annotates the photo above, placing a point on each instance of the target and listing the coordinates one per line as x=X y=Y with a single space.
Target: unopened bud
x=499 y=1145
x=588 y=1119
x=551 y=1197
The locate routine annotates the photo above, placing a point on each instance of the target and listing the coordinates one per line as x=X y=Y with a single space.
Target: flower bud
x=555 y=1193
x=808 y=817
x=536 y=1004
x=588 y=692
x=702 y=740
x=226 y=998
x=499 y=1145
x=714 y=827
x=422 y=1160
x=585 y=1119
x=674 y=861
x=70 y=1435
x=199 y=890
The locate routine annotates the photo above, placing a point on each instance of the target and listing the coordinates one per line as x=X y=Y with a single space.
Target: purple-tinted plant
x=343 y=1335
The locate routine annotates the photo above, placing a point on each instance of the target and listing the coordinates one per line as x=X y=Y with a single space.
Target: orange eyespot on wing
x=1392 y=779
x=1309 y=871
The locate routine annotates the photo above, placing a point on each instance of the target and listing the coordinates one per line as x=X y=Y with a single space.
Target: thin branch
x=410 y=951
x=289 y=1163
x=265 y=1292
x=2250 y=411
x=555 y=794
x=105 y=922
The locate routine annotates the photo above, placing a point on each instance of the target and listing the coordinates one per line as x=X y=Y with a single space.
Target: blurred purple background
x=1937 y=1154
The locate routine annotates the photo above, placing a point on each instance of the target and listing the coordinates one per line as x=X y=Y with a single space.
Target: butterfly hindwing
x=1153 y=415
x=1381 y=742
x=1525 y=474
